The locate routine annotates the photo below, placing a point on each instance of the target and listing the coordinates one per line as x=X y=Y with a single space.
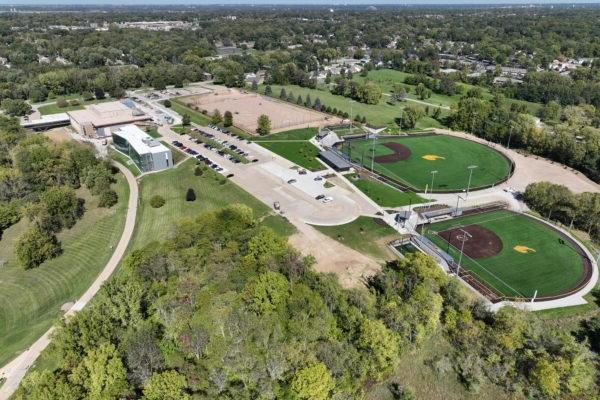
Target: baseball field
x=513 y=254
x=410 y=160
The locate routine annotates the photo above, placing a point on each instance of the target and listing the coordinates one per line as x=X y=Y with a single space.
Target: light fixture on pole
x=432 y=180
x=470 y=168
x=462 y=248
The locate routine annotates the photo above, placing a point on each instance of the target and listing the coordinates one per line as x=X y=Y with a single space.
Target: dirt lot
x=247 y=107
x=59 y=135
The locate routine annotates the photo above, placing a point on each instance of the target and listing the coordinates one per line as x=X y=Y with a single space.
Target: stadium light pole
x=510 y=135
x=351 y=120
x=373 y=152
x=470 y=168
x=432 y=179
x=462 y=248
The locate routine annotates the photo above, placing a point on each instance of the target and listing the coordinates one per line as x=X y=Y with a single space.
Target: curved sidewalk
x=14 y=371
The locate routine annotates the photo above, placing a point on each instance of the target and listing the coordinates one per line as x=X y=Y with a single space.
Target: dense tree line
x=572 y=136
x=557 y=202
x=38 y=180
x=226 y=309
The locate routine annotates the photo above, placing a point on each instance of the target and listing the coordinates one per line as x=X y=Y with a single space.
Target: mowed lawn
x=364 y=235
x=157 y=223
x=30 y=300
x=448 y=155
x=376 y=114
x=383 y=194
x=294 y=146
x=553 y=268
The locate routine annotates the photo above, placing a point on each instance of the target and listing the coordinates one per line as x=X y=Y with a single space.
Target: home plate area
x=479 y=242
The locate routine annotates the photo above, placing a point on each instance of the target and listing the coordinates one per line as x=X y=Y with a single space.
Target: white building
x=96 y=120
x=147 y=153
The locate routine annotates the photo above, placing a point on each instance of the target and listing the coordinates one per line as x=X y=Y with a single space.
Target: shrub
x=198 y=171
x=190 y=195
x=74 y=103
x=157 y=201
x=167 y=103
x=36 y=246
x=62 y=103
x=108 y=198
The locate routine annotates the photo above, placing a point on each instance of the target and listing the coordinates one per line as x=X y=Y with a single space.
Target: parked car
x=292 y=181
x=318 y=178
x=327 y=199
x=320 y=197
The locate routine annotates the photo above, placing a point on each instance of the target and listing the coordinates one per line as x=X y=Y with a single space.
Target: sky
x=289 y=2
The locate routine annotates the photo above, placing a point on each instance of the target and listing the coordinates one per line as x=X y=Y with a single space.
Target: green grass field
x=30 y=300
x=376 y=114
x=363 y=235
x=552 y=269
x=294 y=134
x=156 y=223
x=415 y=171
x=383 y=194
x=302 y=153
x=55 y=109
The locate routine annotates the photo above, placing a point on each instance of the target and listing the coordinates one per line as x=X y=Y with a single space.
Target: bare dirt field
x=247 y=107
x=59 y=135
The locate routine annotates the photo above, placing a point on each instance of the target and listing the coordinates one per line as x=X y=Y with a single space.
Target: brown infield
x=401 y=152
x=483 y=243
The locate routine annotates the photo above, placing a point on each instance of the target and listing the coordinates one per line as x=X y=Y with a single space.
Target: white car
x=327 y=199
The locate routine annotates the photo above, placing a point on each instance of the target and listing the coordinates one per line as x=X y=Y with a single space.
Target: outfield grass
x=452 y=174
x=30 y=300
x=383 y=194
x=156 y=223
x=552 y=269
x=363 y=235
x=376 y=114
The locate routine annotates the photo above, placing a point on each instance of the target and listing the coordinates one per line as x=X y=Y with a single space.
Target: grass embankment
x=294 y=146
x=364 y=235
x=30 y=300
x=212 y=191
x=383 y=194
x=448 y=155
x=53 y=108
x=178 y=105
x=125 y=160
x=551 y=266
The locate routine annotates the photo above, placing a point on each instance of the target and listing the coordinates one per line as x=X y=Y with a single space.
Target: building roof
x=140 y=140
x=47 y=119
x=107 y=114
x=335 y=159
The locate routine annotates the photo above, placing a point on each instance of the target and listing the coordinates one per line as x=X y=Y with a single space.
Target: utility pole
x=432 y=179
x=462 y=248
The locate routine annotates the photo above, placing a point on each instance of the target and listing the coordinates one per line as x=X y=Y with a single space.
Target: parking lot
x=275 y=181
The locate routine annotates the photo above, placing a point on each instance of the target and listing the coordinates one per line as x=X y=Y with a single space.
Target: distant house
x=147 y=153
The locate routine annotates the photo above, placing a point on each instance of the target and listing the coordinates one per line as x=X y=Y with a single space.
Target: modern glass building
x=148 y=154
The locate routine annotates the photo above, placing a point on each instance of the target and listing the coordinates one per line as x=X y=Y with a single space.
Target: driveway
x=14 y=371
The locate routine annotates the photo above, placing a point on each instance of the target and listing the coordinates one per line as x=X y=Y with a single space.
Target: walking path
x=14 y=371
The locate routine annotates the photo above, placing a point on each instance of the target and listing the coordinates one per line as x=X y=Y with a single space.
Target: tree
x=268 y=292
x=101 y=373
x=190 y=195
x=282 y=94
x=216 y=118
x=167 y=103
x=380 y=346
x=268 y=90
x=312 y=383
x=299 y=100
x=264 y=125
x=168 y=385
x=36 y=246
x=58 y=208
x=108 y=198
x=185 y=119
x=254 y=86
x=318 y=104
x=99 y=93
x=16 y=107
x=227 y=119
x=411 y=115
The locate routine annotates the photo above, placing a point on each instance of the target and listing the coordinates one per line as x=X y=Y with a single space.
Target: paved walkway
x=14 y=371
